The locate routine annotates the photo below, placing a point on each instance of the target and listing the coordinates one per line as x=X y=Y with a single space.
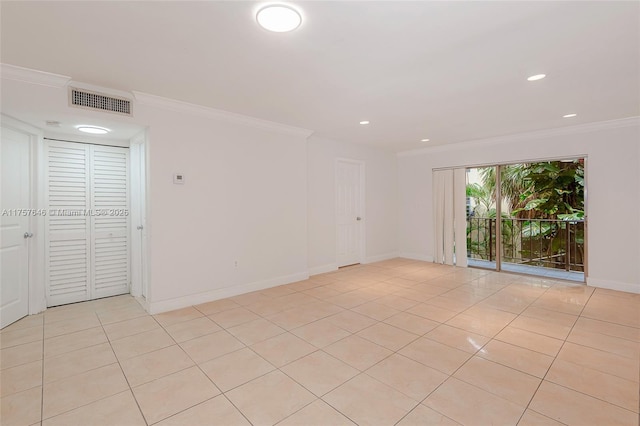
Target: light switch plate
x=178 y=178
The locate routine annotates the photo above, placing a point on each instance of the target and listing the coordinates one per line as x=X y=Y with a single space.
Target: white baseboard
x=323 y=269
x=416 y=256
x=334 y=267
x=380 y=257
x=142 y=301
x=613 y=285
x=221 y=293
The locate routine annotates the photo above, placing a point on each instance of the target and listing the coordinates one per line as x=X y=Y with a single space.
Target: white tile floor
x=396 y=342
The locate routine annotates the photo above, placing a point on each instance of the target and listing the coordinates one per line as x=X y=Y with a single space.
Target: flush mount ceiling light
x=424 y=140
x=364 y=122
x=279 y=18
x=94 y=130
x=536 y=77
x=569 y=115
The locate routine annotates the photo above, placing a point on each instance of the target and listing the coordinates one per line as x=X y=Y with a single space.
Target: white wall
x=613 y=179
x=380 y=219
x=244 y=200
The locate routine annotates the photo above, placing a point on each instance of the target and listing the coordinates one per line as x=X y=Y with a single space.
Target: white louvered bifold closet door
x=67 y=247
x=110 y=231
x=87 y=229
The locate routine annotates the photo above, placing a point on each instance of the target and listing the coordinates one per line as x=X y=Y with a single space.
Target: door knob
x=28 y=235
x=139 y=227
x=358 y=218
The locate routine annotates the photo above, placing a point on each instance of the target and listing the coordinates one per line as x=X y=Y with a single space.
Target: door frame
x=498 y=166
x=90 y=149
x=361 y=226
x=139 y=202
x=37 y=300
x=36 y=275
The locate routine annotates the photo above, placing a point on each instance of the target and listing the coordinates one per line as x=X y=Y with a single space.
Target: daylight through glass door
x=541 y=230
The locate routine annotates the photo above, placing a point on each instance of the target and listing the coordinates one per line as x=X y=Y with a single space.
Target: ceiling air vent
x=100 y=102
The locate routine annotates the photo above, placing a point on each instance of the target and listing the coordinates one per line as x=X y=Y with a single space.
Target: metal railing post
x=498 y=218
x=567 y=250
x=490 y=238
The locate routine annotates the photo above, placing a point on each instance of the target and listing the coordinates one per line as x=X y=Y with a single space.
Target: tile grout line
x=396 y=352
x=556 y=356
x=200 y=368
x=96 y=368
x=110 y=343
x=378 y=296
x=292 y=361
x=542 y=379
x=144 y=418
x=419 y=403
x=257 y=354
x=474 y=354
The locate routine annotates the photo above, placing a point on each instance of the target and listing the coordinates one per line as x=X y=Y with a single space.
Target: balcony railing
x=546 y=243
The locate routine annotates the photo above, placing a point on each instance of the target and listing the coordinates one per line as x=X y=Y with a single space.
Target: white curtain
x=443 y=215
x=450 y=216
x=460 y=215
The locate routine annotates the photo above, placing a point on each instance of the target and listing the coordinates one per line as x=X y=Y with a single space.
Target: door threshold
x=572 y=277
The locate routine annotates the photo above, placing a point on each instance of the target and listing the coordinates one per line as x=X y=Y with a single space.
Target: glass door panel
x=481 y=218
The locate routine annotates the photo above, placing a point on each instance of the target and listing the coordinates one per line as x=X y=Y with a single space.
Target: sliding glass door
x=481 y=217
x=541 y=207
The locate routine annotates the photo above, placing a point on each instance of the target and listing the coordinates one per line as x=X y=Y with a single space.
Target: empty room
x=319 y=213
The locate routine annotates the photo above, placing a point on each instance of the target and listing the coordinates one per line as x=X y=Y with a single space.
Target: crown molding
x=14 y=123
x=207 y=112
x=12 y=72
x=522 y=137
x=100 y=90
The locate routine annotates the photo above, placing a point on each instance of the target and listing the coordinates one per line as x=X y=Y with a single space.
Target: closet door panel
x=67 y=222
x=110 y=221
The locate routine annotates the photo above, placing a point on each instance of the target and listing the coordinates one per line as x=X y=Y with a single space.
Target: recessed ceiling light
x=536 y=77
x=424 y=140
x=364 y=122
x=94 y=130
x=569 y=115
x=279 y=18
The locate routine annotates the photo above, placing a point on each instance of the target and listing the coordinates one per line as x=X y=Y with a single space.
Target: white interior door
x=14 y=222
x=349 y=211
x=87 y=228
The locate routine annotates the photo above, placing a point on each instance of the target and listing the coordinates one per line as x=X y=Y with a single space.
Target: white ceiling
x=447 y=71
